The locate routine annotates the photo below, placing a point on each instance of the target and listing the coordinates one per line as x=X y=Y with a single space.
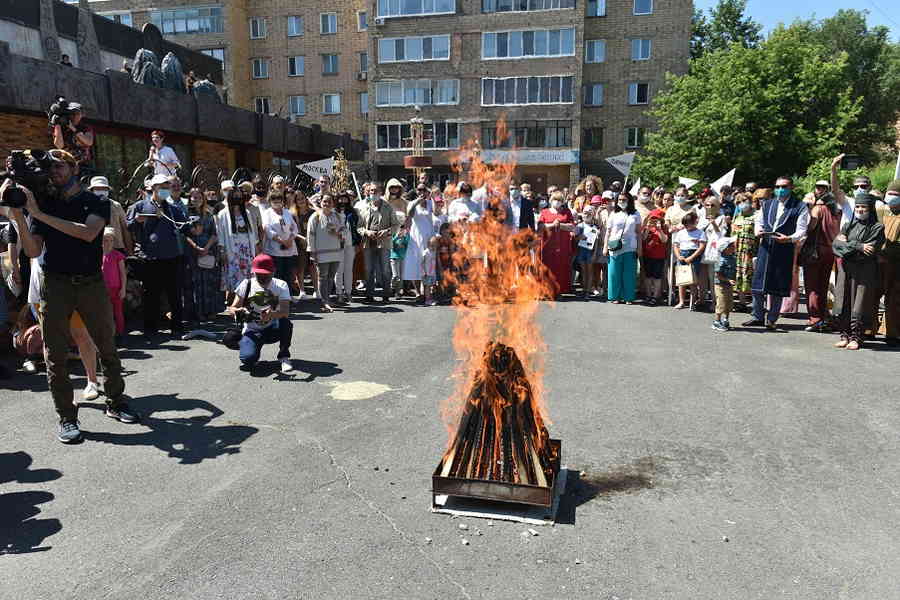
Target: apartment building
x=303 y=61
x=572 y=78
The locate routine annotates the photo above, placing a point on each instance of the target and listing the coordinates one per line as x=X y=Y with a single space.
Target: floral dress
x=745 y=251
x=237 y=263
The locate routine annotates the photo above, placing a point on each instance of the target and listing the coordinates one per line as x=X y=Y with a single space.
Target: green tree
x=725 y=26
x=767 y=111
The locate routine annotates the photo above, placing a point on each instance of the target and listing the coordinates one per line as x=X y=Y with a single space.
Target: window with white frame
x=122 y=18
x=296 y=66
x=593 y=94
x=217 y=53
x=494 y=6
x=397 y=136
x=643 y=7
x=257 y=28
x=297 y=106
x=364 y=103
x=328 y=23
x=596 y=8
x=592 y=138
x=331 y=104
x=409 y=49
x=640 y=49
x=408 y=92
x=329 y=64
x=528 y=44
x=363 y=62
x=261 y=103
x=594 y=51
x=189 y=20
x=294 y=26
x=553 y=89
x=638 y=93
x=414 y=8
x=362 y=21
x=527 y=134
x=634 y=137
x=260 y=68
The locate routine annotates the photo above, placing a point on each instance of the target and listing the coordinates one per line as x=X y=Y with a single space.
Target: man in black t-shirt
x=67 y=234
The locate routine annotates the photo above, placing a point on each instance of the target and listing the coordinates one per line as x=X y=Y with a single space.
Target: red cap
x=263 y=264
x=596 y=199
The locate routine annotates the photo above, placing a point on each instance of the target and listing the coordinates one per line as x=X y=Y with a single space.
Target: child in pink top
x=115 y=277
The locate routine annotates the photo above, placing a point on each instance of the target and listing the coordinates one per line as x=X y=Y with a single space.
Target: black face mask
x=263 y=280
x=236 y=200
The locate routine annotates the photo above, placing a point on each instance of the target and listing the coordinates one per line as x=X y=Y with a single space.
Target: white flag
x=636 y=188
x=318 y=168
x=726 y=179
x=622 y=162
x=688 y=182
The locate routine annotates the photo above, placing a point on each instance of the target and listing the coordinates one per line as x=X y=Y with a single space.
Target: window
x=262 y=105
x=407 y=92
x=296 y=66
x=362 y=21
x=410 y=49
x=218 y=53
x=638 y=93
x=592 y=138
x=331 y=104
x=363 y=62
x=397 y=136
x=596 y=8
x=491 y=6
x=528 y=44
x=329 y=64
x=555 y=89
x=257 y=28
x=364 y=103
x=189 y=20
x=122 y=18
x=634 y=137
x=593 y=94
x=260 y=68
x=595 y=51
x=294 y=26
x=412 y=8
x=328 y=23
x=640 y=49
x=297 y=105
x=643 y=7
x=528 y=134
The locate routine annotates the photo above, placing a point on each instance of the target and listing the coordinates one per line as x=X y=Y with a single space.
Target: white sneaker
x=286 y=366
x=298 y=297
x=90 y=391
x=29 y=366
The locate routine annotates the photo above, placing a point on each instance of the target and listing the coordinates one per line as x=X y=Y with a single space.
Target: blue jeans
x=759 y=307
x=253 y=341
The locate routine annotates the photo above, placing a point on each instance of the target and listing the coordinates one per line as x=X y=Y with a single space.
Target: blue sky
x=772 y=12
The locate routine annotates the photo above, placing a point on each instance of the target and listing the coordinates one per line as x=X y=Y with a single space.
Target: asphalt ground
x=736 y=465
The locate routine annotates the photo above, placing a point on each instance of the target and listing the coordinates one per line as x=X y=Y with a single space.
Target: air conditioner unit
x=362 y=75
x=379 y=21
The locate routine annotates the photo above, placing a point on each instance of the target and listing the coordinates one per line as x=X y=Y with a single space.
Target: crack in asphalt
x=387 y=518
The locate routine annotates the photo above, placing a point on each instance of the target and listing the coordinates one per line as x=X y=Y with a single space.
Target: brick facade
x=20 y=132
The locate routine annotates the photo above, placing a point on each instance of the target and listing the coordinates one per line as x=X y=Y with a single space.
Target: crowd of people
x=257 y=249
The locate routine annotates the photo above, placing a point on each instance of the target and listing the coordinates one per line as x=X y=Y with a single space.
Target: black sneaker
x=68 y=432
x=752 y=323
x=121 y=412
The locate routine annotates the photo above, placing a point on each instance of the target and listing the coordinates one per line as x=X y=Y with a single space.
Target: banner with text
x=318 y=168
x=622 y=162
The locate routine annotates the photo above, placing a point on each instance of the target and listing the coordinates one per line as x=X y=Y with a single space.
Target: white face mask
x=104 y=194
x=681 y=199
x=644 y=198
x=556 y=204
x=622 y=204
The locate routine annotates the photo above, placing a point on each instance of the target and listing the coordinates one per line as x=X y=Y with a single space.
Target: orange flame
x=499 y=280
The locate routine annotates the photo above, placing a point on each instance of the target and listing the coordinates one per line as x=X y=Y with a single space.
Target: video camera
x=29 y=168
x=60 y=112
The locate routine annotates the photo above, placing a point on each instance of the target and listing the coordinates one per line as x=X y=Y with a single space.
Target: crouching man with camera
x=65 y=232
x=261 y=303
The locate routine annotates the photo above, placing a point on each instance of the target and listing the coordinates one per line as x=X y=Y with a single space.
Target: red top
x=111 y=269
x=654 y=247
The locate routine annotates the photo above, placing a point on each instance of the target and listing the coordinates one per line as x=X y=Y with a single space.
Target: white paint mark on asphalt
x=357 y=390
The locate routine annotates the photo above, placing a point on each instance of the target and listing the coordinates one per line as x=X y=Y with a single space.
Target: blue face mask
x=860 y=193
x=893 y=201
x=782 y=193
x=746 y=208
x=163 y=194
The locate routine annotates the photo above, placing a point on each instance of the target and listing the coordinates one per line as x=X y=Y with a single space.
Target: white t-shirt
x=168 y=156
x=262 y=297
x=623 y=226
x=464 y=209
x=689 y=240
x=282 y=226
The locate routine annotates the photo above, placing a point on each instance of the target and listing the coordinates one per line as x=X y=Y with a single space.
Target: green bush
x=881 y=175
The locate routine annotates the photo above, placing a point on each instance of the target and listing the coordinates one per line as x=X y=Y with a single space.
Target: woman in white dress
x=421 y=227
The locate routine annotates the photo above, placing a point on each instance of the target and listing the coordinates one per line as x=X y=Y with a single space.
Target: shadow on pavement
x=313 y=369
x=582 y=486
x=372 y=308
x=20 y=532
x=189 y=439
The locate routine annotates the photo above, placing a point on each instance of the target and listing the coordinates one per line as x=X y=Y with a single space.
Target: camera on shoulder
x=28 y=168
x=60 y=112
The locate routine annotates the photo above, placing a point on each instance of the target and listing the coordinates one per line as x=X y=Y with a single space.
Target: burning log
x=500 y=437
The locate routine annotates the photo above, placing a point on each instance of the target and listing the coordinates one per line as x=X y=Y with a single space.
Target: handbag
x=711 y=253
x=207 y=262
x=615 y=244
x=233 y=335
x=684 y=274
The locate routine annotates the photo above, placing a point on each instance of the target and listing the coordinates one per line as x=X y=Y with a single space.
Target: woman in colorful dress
x=556 y=225
x=204 y=268
x=742 y=228
x=302 y=211
x=239 y=237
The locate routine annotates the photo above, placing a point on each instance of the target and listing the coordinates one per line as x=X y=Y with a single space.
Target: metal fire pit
x=499 y=491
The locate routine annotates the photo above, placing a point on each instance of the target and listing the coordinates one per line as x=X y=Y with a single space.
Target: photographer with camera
x=66 y=231
x=69 y=132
